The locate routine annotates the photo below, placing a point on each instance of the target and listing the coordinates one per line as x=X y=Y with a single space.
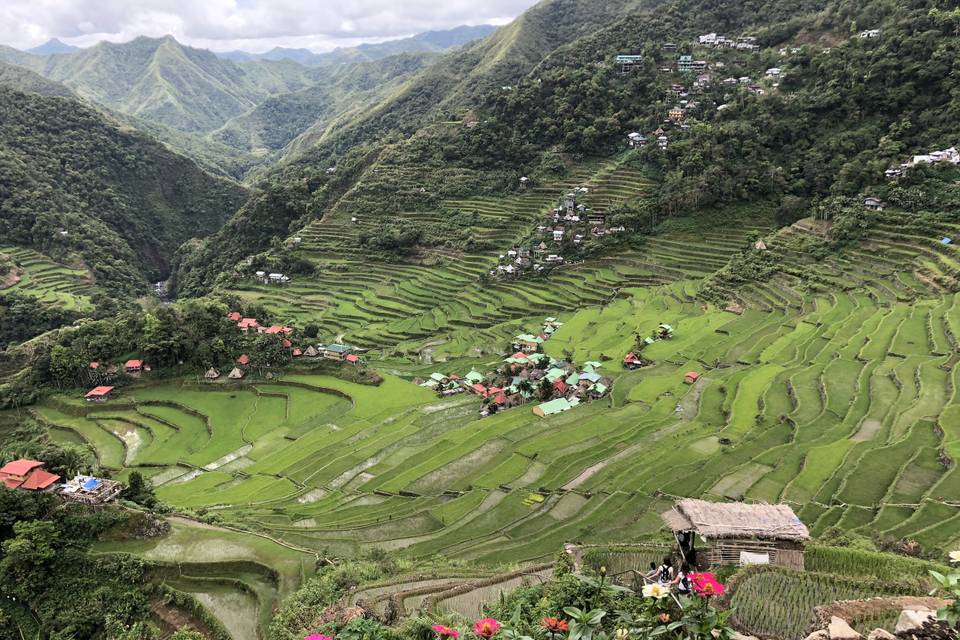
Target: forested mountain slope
x=843 y=108
x=76 y=186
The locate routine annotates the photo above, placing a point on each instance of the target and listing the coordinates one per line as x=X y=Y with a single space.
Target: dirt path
x=599 y=466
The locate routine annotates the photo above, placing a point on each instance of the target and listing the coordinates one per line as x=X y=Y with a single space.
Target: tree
x=28 y=556
x=311 y=330
x=140 y=490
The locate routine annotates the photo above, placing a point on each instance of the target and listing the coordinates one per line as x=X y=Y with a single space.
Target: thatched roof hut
x=739 y=533
x=236 y=374
x=211 y=374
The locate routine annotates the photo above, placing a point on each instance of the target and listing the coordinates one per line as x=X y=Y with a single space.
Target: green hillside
x=80 y=189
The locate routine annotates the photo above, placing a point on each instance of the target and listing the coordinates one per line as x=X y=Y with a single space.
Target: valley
x=453 y=326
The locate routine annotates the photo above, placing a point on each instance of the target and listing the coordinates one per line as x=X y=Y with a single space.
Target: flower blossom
x=555 y=625
x=445 y=632
x=655 y=590
x=486 y=628
x=706 y=584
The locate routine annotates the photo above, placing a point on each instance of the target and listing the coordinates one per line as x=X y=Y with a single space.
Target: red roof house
x=297 y=353
x=286 y=343
x=500 y=399
x=560 y=386
x=630 y=358
x=691 y=377
x=278 y=329
x=352 y=358
x=94 y=365
x=478 y=389
x=235 y=316
x=99 y=394
x=243 y=360
x=133 y=365
x=26 y=474
x=246 y=324
x=39 y=480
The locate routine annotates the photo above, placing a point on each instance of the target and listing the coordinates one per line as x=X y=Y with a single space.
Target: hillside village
x=527 y=376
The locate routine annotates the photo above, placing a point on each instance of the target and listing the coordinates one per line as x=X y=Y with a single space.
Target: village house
x=234 y=316
x=708 y=39
x=686 y=64
x=636 y=139
x=236 y=374
x=99 y=394
x=337 y=351
x=668 y=46
x=311 y=352
x=760 y=245
x=893 y=172
x=524 y=182
x=676 y=90
x=869 y=33
x=211 y=374
x=133 y=366
x=629 y=62
x=28 y=475
x=632 y=361
x=662 y=141
x=527 y=343
x=737 y=534
x=691 y=377
x=675 y=114
x=596 y=217
x=91 y=491
x=553 y=407
x=246 y=325
x=873 y=204
x=558 y=235
x=773 y=72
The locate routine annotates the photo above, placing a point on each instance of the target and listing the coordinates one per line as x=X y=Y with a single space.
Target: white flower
x=955 y=556
x=655 y=590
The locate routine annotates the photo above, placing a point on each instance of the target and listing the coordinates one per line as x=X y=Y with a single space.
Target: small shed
x=738 y=533
x=691 y=377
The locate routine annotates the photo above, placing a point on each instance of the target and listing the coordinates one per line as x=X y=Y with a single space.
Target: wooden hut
x=211 y=374
x=236 y=374
x=738 y=533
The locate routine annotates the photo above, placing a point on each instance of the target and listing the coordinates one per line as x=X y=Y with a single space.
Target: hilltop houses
x=716 y=41
x=686 y=64
x=873 y=204
x=636 y=140
x=99 y=394
x=869 y=34
x=629 y=62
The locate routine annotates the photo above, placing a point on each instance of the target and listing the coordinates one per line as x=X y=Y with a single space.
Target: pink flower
x=445 y=632
x=486 y=628
x=706 y=584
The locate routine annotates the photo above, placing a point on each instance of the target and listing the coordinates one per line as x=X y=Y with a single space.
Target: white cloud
x=255 y=25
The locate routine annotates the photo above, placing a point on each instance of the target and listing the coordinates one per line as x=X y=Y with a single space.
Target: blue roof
x=946 y=241
x=91 y=484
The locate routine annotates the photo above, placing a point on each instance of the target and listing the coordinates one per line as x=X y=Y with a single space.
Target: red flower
x=445 y=632
x=486 y=628
x=664 y=618
x=706 y=584
x=555 y=625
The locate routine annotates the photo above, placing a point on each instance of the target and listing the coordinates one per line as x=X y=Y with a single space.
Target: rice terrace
x=598 y=321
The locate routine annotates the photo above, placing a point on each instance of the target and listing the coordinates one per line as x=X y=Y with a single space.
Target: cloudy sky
x=252 y=25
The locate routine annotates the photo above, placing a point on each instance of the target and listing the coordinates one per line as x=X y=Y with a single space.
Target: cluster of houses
x=570 y=222
x=946 y=156
x=102 y=375
x=634 y=359
x=742 y=43
x=250 y=326
x=29 y=475
x=526 y=376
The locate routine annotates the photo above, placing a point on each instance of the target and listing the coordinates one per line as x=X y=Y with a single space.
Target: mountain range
x=427 y=42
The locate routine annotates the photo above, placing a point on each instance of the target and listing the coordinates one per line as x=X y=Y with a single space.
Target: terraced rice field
x=48 y=280
x=835 y=391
